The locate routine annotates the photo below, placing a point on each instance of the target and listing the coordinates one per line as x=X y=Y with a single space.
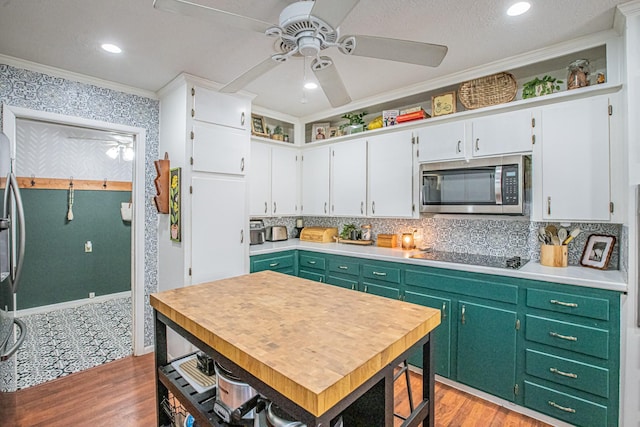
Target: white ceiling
x=159 y=45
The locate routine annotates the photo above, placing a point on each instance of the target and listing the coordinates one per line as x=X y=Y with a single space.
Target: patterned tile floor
x=65 y=341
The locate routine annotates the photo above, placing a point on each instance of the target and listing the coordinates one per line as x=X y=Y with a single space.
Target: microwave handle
x=498 y=185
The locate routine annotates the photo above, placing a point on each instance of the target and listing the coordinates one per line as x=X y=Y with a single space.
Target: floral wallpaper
x=42 y=92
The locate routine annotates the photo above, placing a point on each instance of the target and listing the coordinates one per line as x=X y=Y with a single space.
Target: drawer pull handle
x=353 y=286
x=377 y=273
x=462 y=316
x=444 y=310
x=343 y=267
x=311 y=262
x=564 y=304
x=366 y=288
x=274 y=264
x=564 y=374
x=563 y=337
x=562 y=408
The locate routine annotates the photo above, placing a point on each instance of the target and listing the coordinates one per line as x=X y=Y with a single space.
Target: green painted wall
x=56 y=267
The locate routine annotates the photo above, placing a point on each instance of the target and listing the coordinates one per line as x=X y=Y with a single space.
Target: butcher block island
x=317 y=351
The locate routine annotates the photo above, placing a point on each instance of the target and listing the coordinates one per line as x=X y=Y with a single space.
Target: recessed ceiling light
x=518 y=8
x=310 y=85
x=111 y=48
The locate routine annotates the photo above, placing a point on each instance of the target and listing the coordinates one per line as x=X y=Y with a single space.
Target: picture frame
x=258 y=126
x=597 y=251
x=320 y=131
x=443 y=104
x=333 y=132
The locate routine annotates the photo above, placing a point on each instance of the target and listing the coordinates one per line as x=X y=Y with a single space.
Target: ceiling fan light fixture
x=518 y=8
x=311 y=85
x=127 y=154
x=113 y=152
x=111 y=48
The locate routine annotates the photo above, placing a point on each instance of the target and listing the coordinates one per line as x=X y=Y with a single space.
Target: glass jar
x=366 y=232
x=578 y=74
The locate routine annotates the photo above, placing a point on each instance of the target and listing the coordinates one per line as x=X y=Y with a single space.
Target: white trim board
x=71 y=304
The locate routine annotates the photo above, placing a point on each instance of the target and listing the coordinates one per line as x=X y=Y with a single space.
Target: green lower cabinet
x=282 y=262
x=347 y=283
x=565 y=407
x=343 y=272
x=312 y=266
x=381 y=290
x=312 y=275
x=487 y=349
x=441 y=335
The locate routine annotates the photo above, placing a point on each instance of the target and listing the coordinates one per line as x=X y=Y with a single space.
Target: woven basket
x=489 y=90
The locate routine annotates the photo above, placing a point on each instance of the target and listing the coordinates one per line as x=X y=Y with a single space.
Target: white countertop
x=573 y=275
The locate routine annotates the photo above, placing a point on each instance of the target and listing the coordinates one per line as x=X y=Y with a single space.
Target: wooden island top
x=312 y=342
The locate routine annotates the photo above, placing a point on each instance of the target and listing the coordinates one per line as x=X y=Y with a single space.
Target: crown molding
x=77 y=77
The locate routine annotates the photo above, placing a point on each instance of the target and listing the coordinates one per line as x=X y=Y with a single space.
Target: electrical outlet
x=88 y=246
x=92 y=294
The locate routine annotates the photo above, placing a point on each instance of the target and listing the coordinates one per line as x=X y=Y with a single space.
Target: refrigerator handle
x=23 y=333
x=15 y=273
x=7 y=197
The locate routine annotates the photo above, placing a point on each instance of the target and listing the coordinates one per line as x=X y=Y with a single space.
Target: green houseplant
x=356 y=122
x=277 y=133
x=539 y=87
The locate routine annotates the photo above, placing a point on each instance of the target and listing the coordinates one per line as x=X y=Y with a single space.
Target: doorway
x=11 y=118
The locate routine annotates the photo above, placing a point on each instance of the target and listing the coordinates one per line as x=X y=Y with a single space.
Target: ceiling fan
x=306 y=28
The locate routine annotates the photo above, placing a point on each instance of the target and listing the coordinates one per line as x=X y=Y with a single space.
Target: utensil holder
x=554 y=255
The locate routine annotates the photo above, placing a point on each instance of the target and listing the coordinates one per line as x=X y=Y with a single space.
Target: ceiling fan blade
x=246 y=78
x=411 y=52
x=332 y=86
x=217 y=16
x=333 y=12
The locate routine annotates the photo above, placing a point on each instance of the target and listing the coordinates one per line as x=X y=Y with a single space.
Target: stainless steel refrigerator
x=12 y=242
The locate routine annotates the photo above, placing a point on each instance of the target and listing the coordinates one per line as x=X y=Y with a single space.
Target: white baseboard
x=71 y=304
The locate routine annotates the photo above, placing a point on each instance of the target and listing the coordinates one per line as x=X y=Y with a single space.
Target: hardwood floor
x=122 y=394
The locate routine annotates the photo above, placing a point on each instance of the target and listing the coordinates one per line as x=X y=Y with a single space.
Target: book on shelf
x=389 y=117
x=411 y=110
x=416 y=115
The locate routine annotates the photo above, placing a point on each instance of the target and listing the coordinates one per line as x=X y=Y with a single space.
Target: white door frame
x=10 y=114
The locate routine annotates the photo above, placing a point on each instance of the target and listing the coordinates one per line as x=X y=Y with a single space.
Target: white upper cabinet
x=571 y=162
x=273 y=181
x=220 y=108
x=504 y=133
x=349 y=178
x=391 y=178
x=260 y=180
x=315 y=181
x=219 y=149
x=445 y=141
x=284 y=181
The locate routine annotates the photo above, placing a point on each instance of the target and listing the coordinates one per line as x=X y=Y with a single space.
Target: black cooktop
x=473 y=259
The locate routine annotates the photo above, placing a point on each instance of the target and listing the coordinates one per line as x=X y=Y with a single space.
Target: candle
x=407 y=241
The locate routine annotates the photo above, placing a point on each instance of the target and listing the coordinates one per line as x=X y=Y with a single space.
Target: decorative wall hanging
x=175 y=205
x=162 y=184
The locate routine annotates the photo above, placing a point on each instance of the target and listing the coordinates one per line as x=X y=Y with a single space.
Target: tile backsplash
x=509 y=236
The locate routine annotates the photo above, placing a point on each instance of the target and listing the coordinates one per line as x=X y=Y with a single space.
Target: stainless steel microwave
x=492 y=185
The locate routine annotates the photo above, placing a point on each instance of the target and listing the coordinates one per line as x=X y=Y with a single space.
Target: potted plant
x=356 y=122
x=277 y=133
x=539 y=87
x=349 y=232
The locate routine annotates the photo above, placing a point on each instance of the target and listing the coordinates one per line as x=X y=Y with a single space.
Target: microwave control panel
x=510 y=185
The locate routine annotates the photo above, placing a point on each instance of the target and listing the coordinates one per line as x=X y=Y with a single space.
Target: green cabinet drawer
x=569 y=336
x=344 y=266
x=381 y=273
x=311 y=275
x=595 y=308
x=312 y=261
x=571 y=373
x=342 y=282
x=381 y=290
x=276 y=263
x=572 y=409
x=464 y=283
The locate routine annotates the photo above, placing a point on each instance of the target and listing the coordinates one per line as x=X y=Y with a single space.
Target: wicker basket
x=489 y=90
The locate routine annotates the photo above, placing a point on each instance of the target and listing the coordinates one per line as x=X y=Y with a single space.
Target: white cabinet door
x=284 y=181
x=260 y=180
x=391 y=175
x=574 y=156
x=315 y=181
x=504 y=133
x=218 y=222
x=219 y=149
x=445 y=141
x=349 y=178
x=220 y=108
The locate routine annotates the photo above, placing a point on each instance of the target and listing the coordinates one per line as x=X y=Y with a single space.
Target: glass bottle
x=578 y=74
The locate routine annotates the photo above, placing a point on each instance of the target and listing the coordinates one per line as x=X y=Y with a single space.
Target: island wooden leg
x=161 y=360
